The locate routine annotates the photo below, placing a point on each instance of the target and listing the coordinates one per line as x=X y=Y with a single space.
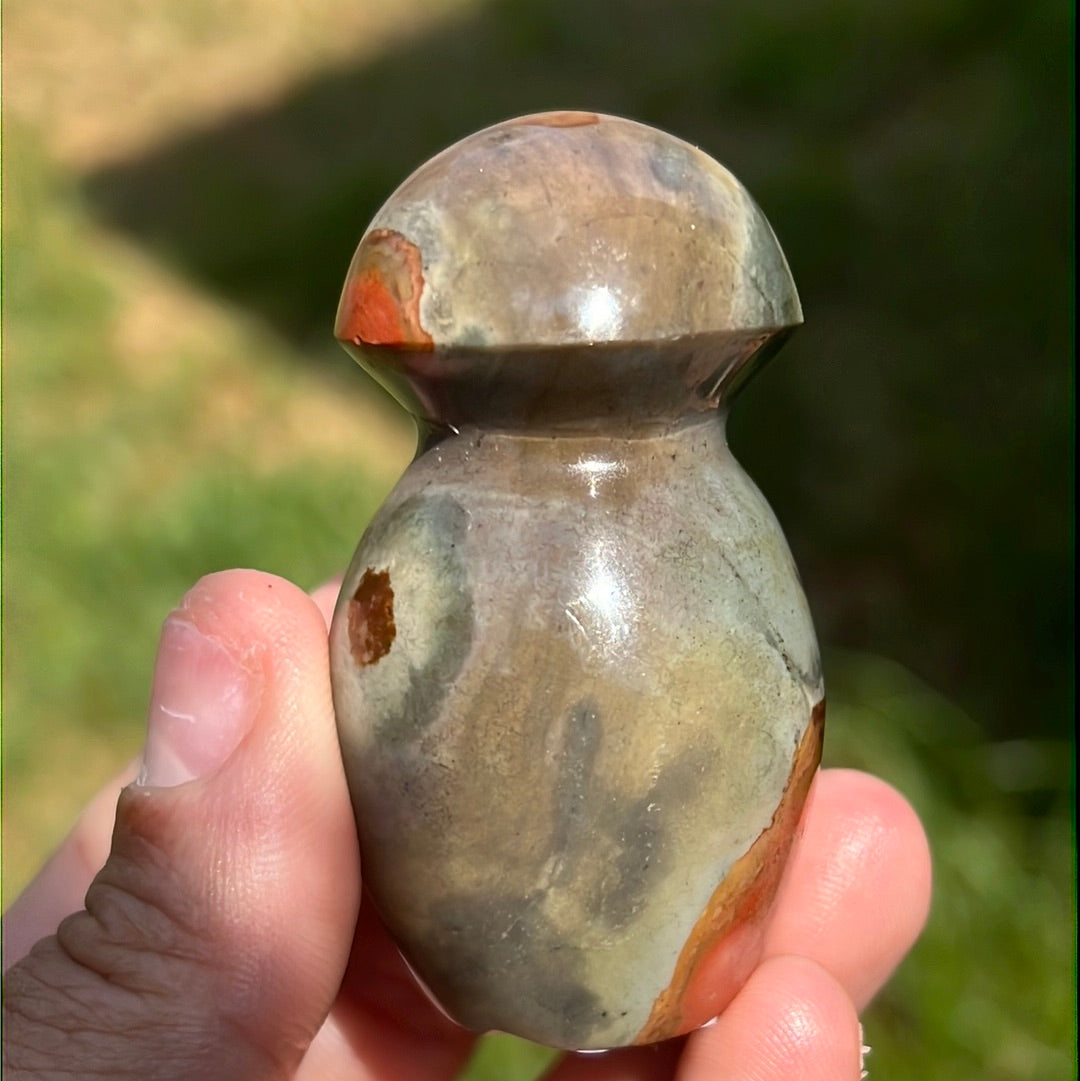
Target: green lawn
x=167 y=413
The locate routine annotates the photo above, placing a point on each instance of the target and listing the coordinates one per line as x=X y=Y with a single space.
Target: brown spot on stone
x=724 y=947
x=371 y=617
x=380 y=304
x=566 y=118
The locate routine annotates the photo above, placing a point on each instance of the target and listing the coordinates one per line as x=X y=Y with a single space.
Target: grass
x=165 y=415
x=135 y=461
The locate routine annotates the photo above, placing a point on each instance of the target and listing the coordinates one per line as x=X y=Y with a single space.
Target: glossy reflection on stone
x=577 y=685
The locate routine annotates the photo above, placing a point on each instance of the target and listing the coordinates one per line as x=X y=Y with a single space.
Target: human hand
x=220 y=936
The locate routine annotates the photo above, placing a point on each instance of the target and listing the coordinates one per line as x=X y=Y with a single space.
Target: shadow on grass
x=915 y=161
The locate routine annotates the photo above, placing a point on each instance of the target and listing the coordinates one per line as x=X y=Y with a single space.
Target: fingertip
x=231 y=890
x=791 y=1019
x=857 y=889
x=267 y=837
x=904 y=841
x=247 y=868
x=252 y=600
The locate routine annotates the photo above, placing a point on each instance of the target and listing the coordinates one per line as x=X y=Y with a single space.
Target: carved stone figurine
x=577 y=685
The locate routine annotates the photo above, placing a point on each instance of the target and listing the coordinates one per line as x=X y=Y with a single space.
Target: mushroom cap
x=565 y=229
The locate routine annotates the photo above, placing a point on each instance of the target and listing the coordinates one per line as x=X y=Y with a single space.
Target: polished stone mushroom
x=577 y=684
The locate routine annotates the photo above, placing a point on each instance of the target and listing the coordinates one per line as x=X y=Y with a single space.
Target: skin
x=220 y=934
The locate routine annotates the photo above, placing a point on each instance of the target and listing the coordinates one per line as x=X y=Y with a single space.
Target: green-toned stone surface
x=601 y=669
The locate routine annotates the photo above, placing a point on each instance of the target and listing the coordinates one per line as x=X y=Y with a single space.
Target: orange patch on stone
x=371 y=617
x=564 y=119
x=725 y=945
x=381 y=301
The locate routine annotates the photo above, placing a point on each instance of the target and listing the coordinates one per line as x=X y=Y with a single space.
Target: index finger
x=856 y=892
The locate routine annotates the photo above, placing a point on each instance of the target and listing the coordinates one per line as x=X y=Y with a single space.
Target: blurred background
x=183 y=185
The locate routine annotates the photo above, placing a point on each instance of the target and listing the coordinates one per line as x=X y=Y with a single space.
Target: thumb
x=214 y=938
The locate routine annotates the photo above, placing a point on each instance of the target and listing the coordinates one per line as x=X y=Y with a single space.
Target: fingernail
x=202 y=705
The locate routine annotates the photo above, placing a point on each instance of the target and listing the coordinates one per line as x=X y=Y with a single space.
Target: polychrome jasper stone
x=577 y=685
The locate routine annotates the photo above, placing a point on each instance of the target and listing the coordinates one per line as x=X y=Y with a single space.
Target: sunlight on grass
x=247 y=52
x=128 y=473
